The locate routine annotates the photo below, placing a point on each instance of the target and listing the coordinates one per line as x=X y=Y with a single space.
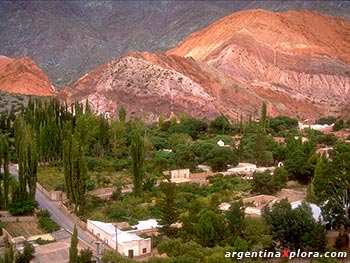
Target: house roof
x=122 y=236
x=316 y=210
x=147 y=224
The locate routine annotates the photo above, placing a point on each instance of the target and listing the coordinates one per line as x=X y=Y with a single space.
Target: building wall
x=139 y=247
x=102 y=235
x=180 y=173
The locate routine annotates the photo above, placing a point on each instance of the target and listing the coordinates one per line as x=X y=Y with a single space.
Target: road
x=64 y=220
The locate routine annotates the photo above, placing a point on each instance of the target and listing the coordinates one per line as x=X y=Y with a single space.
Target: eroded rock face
x=147 y=85
x=294 y=60
x=298 y=62
x=24 y=77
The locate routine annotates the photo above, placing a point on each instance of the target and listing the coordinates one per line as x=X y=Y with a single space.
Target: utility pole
x=98 y=253
x=116 y=237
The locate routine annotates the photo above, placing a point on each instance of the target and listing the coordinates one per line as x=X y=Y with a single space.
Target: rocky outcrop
x=297 y=61
x=147 y=85
x=70 y=38
x=22 y=76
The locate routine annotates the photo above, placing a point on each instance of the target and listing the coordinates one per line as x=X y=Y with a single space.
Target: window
x=144 y=250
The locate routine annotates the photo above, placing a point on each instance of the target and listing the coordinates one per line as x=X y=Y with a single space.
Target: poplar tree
x=4 y=166
x=75 y=171
x=73 y=250
x=137 y=157
x=122 y=114
x=27 y=159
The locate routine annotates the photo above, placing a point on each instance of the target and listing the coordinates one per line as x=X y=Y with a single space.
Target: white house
x=179 y=175
x=243 y=168
x=221 y=143
x=126 y=243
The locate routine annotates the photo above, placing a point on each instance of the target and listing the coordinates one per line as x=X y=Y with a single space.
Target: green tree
x=168 y=207
x=5 y=178
x=280 y=177
x=116 y=138
x=73 y=250
x=27 y=255
x=137 y=156
x=219 y=157
x=9 y=255
x=257 y=233
x=184 y=157
x=297 y=160
x=294 y=228
x=263 y=118
x=263 y=183
x=27 y=159
x=210 y=229
x=220 y=125
x=110 y=256
x=75 y=171
x=332 y=186
x=235 y=219
x=85 y=256
x=122 y=114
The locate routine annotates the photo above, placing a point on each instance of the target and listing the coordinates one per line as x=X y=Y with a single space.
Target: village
x=143 y=190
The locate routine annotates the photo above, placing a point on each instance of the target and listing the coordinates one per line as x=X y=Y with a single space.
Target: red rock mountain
x=298 y=62
x=24 y=77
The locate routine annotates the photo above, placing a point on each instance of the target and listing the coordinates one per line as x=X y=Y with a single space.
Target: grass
x=25 y=229
x=50 y=177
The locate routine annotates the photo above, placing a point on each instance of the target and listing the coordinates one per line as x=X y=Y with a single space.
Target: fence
x=52 y=195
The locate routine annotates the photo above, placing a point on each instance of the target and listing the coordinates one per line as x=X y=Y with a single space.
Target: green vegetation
x=78 y=152
x=46 y=222
x=73 y=250
x=27 y=255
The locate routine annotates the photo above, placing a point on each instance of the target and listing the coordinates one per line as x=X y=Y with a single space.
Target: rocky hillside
x=296 y=61
x=22 y=76
x=69 y=38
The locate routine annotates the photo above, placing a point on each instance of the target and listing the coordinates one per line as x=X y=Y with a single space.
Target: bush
x=23 y=207
x=1 y=229
x=40 y=241
x=46 y=222
x=326 y=120
x=90 y=186
x=121 y=164
x=27 y=255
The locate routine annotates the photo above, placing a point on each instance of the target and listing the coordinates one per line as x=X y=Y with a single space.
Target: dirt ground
x=57 y=252
x=25 y=229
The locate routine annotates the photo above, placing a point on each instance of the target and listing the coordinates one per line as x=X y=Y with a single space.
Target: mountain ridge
x=69 y=38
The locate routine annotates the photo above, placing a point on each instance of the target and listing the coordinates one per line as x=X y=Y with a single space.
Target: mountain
x=69 y=38
x=298 y=62
x=22 y=76
x=147 y=85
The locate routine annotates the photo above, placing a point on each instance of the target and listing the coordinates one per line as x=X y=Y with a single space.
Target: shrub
x=46 y=222
x=90 y=186
x=23 y=207
x=40 y=241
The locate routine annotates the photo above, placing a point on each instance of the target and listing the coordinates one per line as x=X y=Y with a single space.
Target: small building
x=179 y=175
x=221 y=143
x=243 y=168
x=127 y=243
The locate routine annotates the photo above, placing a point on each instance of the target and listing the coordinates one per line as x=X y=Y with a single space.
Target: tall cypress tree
x=137 y=156
x=27 y=159
x=75 y=171
x=4 y=164
x=122 y=114
x=73 y=250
